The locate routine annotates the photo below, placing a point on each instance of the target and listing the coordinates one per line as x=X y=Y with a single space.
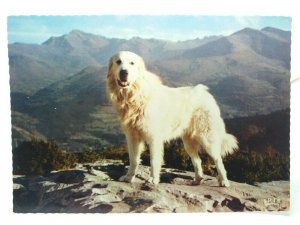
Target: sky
x=37 y=29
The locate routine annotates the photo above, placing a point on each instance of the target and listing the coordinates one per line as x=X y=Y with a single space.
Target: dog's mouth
x=123 y=83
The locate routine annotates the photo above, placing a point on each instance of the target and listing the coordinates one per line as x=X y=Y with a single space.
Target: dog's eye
x=119 y=61
x=131 y=63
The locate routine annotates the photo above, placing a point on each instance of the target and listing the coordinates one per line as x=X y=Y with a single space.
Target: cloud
x=36 y=29
x=27 y=29
x=153 y=32
x=29 y=37
x=248 y=21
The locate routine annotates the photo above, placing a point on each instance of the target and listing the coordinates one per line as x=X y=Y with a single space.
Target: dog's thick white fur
x=154 y=113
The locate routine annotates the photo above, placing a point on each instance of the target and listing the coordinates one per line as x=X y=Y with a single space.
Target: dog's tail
x=229 y=145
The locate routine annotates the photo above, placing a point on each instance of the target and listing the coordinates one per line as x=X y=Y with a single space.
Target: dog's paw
x=224 y=183
x=198 y=181
x=153 y=180
x=127 y=178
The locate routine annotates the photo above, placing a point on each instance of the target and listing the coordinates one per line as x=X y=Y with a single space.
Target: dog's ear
x=142 y=66
x=111 y=84
x=110 y=63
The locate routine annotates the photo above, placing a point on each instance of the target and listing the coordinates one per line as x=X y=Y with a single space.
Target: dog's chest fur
x=131 y=108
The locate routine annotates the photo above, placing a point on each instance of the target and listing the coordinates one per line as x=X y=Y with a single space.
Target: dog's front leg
x=135 y=148
x=156 y=160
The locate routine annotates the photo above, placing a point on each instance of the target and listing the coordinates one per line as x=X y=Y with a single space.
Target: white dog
x=154 y=113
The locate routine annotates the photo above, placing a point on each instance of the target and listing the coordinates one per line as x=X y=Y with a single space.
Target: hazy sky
x=37 y=29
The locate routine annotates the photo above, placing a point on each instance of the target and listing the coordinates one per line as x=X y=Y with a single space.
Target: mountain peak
x=76 y=39
x=280 y=34
x=272 y=29
x=271 y=32
x=83 y=34
x=77 y=32
x=78 y=35
x=247 y=31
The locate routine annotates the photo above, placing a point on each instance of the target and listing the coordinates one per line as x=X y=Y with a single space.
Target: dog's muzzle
x=122 y=81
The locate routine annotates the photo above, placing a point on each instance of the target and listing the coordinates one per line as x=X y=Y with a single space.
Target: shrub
x=119 y=152
x=39 y=157
x=243 y=166
x=87 y=156
x=251 y=167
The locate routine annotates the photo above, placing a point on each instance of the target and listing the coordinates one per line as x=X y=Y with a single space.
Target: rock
x=95 y=189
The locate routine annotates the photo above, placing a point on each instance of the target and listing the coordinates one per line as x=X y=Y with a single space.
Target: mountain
x=75 y=112
x=269 y=42
x=77 y=40
x=58 y=87
x=247 y=71
x=33 y=66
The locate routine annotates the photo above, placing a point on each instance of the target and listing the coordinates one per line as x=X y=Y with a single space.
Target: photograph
x=150 y=113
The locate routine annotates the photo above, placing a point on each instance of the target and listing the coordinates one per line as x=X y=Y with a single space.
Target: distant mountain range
x=33 y=66
x=58 y=87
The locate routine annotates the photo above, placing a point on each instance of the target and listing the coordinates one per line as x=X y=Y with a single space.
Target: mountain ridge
x=62 y=92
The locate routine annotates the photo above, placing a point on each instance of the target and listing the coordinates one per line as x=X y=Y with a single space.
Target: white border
x=150 y=7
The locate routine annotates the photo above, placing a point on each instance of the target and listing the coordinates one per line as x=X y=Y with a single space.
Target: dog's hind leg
x=214 y=151
x=192 y=148
x=222 y=177
x=135 y=148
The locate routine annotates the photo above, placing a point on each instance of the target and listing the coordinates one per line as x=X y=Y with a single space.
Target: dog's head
x=125 y=68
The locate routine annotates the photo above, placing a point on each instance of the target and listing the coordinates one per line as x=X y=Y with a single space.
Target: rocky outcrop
x=94 y=188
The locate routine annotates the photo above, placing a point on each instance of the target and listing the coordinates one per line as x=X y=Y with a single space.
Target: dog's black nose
x=123 y=75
